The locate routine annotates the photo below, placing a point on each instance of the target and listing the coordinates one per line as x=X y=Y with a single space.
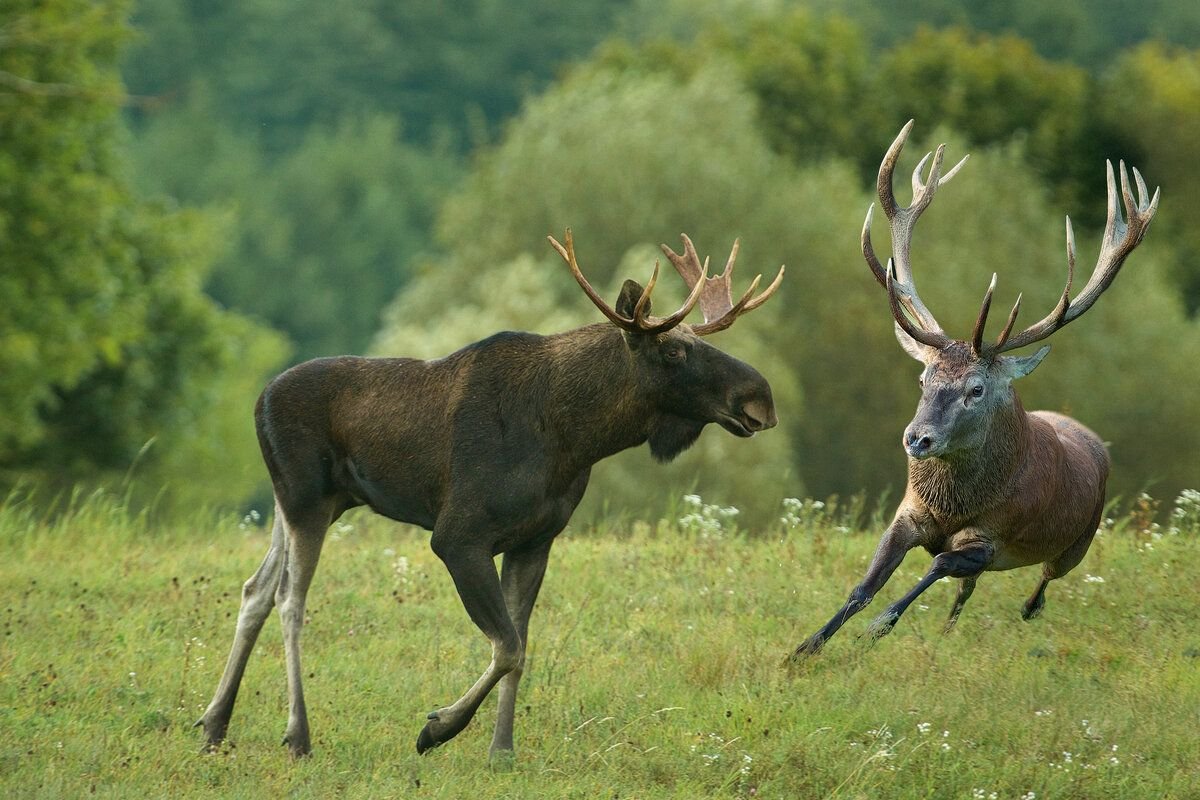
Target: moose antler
x=641 y=322
x=898 y=278
x=716 y=292
x=1120 y=239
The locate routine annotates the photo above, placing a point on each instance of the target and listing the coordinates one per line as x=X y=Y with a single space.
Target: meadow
x=656 y=666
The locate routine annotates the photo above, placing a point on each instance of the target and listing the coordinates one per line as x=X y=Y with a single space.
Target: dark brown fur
x=489 y=448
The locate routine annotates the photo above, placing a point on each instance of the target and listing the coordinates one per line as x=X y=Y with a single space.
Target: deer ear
x=1020 y=366
x=631 y=292
x=911 y=346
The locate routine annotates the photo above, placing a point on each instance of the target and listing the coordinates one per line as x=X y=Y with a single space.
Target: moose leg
x=965 y=587
x=474 y=574
x=258 y=598
x=303 y=551
x=896 y=542
x=520 y=579
x=965 y=562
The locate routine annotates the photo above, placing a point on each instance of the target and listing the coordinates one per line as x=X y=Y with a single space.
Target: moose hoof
x=502 y=760
x=1032 y=610
x=298 y=745
x=214 y=734
x=443 y=725
x=425 y=741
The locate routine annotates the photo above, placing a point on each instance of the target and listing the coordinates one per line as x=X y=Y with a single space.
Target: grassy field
x=656 y=668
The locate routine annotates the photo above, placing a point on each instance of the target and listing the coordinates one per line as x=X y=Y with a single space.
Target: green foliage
x=654 y=669
x=320 y=237
x=1086 y=32
x=280 y=67
x=108 y=341
x=1163 y=85
x=624 y=163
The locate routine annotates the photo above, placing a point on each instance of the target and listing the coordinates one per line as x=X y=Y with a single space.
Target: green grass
x=655 y=670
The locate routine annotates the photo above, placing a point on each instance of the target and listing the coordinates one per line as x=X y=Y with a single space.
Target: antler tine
x=902 y=221
x=770 y=290
x=935 y=339
x=639 y=310
x=1121 y=237
x=641 y=322
x=568 y=255
x=716 y=300
x=868 y=250
x=1012 y=317
x=670 y=322
x=981 y=322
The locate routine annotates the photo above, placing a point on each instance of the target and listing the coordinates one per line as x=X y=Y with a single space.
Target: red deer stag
x=490 y=448
x=990 y=486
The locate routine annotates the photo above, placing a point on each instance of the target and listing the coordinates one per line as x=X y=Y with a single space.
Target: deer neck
x=968 y=482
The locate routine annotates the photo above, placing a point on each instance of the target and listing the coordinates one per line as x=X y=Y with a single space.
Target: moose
x=490 y=449
x=990 y=486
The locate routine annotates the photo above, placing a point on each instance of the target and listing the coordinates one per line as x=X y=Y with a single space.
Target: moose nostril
x=924 y=443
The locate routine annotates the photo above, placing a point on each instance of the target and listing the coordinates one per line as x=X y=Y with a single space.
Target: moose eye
x=977 y=391
x=674 y=354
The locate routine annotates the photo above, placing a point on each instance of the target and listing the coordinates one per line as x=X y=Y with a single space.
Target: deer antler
x=641 y=322
x=716 y=292
x=1120 y=239
x=898 y=278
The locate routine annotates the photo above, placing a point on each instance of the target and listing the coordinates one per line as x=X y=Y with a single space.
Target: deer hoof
x=882 y=625
x=810 y=647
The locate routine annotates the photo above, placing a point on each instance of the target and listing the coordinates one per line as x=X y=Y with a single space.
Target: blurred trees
x=311 y=162
x=107 y=341
x=331 y=133
x=653 y=138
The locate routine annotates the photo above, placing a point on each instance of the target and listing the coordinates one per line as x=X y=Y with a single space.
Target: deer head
x=687 y=381
x=966 y=384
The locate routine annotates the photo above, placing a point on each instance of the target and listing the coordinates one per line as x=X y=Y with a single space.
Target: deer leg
x=965 y=562
x=520 y=579
x=965 y=587
x=474 y=574
x=1037 y=601
x=896 y=542
x=1060 y=566
x=258 y=598
x=303 y=551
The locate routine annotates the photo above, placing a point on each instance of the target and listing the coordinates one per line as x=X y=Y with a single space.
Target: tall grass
x=656 y=666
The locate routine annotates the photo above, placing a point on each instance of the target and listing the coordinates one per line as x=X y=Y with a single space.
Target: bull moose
x=490 y=449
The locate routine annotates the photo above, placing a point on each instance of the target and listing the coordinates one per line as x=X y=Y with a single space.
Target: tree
x=108 y=341
x=1152 y=96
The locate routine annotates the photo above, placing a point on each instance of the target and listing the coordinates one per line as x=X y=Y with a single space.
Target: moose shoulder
x=490 y=448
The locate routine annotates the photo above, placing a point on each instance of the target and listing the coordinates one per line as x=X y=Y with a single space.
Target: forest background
x=195 y=195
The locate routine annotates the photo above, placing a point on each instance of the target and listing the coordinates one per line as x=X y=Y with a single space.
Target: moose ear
x=1020 y=366
x=631 y=292
x=911 y=346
